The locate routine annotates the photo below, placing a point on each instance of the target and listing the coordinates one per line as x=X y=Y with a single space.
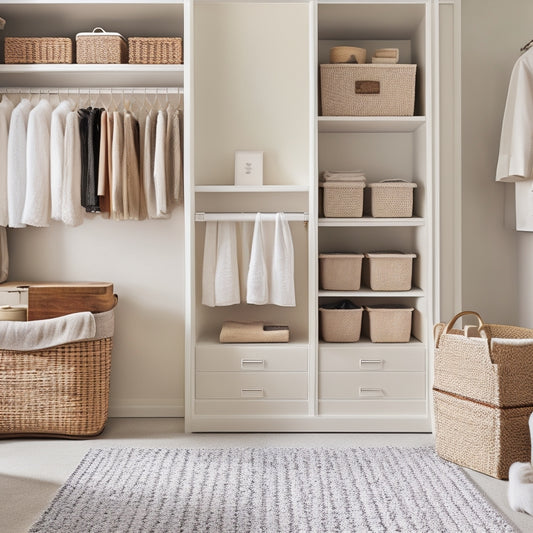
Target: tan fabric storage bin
x=155 y=50
x=389 y=323
x=391 y=199
x=340 y=325
x=481 y=437
x=343 y=199
x=389 y=271
x=340 y=272
x=367 y=90
x=37 y=50
x=101 y=47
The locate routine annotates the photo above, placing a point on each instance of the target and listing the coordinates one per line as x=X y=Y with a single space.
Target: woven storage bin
x=155 y=50
x=479 y=436
x=367 y=90
x=57 y=391
x=101 y=47
x=340 y=325
x=495 y=367
x=389 y=271
x=391 y=199
x=37 y=50
x=340 y=272
x=343 y=199
x=389 y=323
x=347 y=54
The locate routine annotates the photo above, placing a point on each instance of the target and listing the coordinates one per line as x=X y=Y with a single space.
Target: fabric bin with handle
x=343 y=199
x=482 y=394
x=391 y=198
x=102 y=47
x=389 y=322
x=389 y=271
x=37 y=50
x=49 y=387
x=340 y=271
x=340 y=322
x=367 y=90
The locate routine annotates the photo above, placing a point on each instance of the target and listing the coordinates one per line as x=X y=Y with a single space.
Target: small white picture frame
x=248 y=167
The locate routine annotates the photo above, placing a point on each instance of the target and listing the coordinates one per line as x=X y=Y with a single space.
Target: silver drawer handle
x=254 y=393
x=370 y=362
x=370 y=391
x=260 y=362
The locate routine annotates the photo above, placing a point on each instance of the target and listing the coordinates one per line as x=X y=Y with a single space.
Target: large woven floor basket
x=59 y=390
x=483 y=395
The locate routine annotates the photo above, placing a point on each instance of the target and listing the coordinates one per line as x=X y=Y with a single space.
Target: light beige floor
x=32 y=470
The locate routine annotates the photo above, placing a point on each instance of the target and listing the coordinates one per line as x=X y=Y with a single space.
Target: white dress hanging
x=6 y=108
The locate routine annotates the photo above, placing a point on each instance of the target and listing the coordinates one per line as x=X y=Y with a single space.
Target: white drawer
x=251 y=385
x=371 y=385
x=251 y=358
x=408 y=358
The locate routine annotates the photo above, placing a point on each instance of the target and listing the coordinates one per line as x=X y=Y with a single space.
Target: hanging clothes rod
x=248 y=217
x=93 y=90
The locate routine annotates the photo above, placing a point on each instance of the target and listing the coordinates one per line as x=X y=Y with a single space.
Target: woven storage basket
x=347 y=54
x=155 y=50
x=340 y=272
x=495 y=368
x=389 y=271
x=343 y=199
x=391 y=199
x=389 y=323
x=101 y=47
x=340 y=325
x=480 y=436
x=367 y=90
x=57 y=391
x=37 y=50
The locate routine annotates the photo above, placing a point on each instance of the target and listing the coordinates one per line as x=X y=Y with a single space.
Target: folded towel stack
x=386 y=55
x=342 y=175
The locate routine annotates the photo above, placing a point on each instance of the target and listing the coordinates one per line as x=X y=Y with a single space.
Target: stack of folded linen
x=386 y=55
x=342 y=175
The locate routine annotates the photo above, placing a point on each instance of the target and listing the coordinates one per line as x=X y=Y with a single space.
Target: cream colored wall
x=144 y=260
x=497 y=261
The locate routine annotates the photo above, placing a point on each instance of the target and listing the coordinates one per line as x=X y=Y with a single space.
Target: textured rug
x=269 y=490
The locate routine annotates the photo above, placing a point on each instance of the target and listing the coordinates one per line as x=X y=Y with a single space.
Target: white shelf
x=250 y=188
x=369 y=124
x=74 y=75
x=370 y=222
x=213 y=341
x=366 y=343
x=413 y=293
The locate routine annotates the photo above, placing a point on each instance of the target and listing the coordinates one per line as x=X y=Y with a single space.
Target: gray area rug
x=294 y=490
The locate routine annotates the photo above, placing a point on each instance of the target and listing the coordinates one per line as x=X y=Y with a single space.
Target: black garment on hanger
x=83 y=117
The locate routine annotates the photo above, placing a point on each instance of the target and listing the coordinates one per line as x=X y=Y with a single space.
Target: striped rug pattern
x=271 y=490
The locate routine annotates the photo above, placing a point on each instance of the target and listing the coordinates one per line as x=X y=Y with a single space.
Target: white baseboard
x=147 y=408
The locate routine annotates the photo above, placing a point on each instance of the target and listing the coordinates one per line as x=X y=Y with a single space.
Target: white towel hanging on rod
x=92 y=90
x=248 y=217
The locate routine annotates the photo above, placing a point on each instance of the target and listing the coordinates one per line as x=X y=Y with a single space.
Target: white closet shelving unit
x=260 y=91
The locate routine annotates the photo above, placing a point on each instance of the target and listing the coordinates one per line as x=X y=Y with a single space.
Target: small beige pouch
x=253 y=332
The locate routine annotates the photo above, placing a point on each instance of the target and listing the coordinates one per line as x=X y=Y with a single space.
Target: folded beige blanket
x=384 y=60
x=342 y=175
x=387 y=52
x=253 y=332
x=40 y=334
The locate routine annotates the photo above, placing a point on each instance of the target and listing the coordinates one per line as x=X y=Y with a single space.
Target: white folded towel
x=6 y=108
x=71 y=210
x=258 y=276
x=281 y=275
x=16 y=162
x=384 y=60
x=387 y=53
x=520 y=488
x=39 y=334
x=37 y=201
x=210 y=264
x=227 y=288
x=342 y=175
x=57 y=147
